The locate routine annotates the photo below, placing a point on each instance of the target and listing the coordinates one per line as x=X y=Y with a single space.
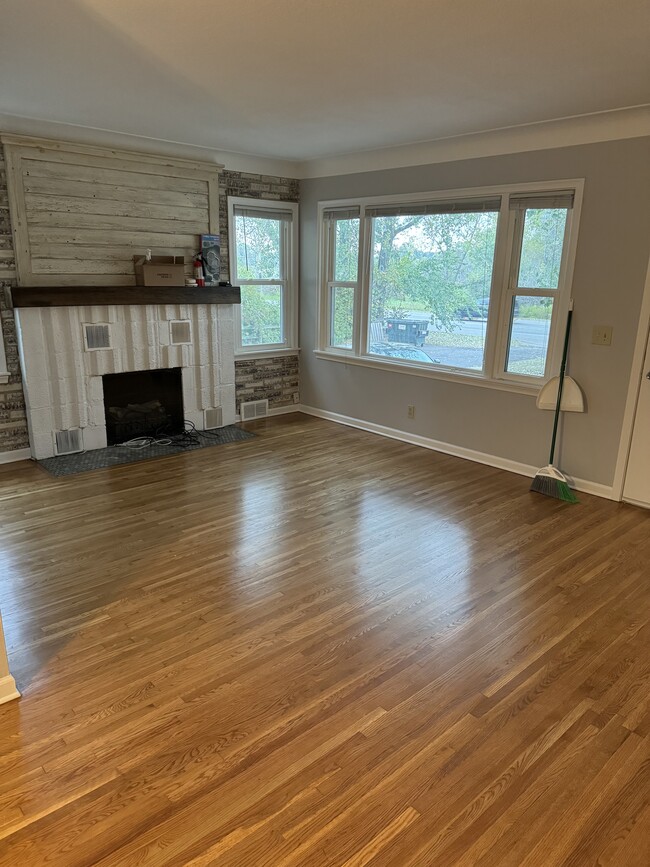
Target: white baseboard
x=8 y=689
x=583 y=485
x=15 y=455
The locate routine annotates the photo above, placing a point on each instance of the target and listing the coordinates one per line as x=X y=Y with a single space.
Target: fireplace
x=143 y=403
x=68 y=377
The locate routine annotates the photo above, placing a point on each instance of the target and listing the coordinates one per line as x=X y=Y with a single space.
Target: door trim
x=633 y=392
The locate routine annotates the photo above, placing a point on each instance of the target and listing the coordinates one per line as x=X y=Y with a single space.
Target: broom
x=549 y=480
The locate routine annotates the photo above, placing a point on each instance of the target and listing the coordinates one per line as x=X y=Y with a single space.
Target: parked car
x=475 y=310
x=395 y=350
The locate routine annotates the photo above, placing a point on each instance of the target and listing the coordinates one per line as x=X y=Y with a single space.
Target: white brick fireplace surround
x=63 y=379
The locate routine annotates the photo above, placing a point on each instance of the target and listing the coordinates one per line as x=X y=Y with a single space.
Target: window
x=471 y=285
x=4 y=373
x=263 y=251
x=539 y=232
x=342 y=254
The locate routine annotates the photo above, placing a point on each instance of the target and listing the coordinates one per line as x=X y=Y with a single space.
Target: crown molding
x=15 y=126
x=624 y=123
x=621 y=123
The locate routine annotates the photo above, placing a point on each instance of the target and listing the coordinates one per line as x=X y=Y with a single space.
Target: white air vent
x=253 y=409
x=97 y=336
x=180 y=331
x=68 y=442
x=213 y=418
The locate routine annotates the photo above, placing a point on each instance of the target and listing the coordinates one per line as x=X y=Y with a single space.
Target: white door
x=637 y=478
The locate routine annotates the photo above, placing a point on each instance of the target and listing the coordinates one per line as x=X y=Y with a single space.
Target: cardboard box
x=160 y=270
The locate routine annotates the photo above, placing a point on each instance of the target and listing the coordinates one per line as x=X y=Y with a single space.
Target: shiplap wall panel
x=138 y=195
x=80 y=215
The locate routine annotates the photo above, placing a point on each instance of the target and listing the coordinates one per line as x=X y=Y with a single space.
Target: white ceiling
x=303 y=79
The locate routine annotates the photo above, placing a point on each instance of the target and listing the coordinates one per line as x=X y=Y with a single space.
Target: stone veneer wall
x=13 y=419
x=275 y=378
x=255 y=379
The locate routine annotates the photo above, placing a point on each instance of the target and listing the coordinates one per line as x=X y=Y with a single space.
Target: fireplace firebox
x=144 y=403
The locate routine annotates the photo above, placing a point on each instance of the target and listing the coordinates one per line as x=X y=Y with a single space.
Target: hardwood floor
x=321 y=647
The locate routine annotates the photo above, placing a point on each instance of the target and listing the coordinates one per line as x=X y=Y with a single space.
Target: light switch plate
x=602 y=335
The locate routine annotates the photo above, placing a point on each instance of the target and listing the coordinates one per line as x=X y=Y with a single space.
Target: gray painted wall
x=611 y=263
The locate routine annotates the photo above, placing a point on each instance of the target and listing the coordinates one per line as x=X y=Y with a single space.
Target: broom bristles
x=550 y=487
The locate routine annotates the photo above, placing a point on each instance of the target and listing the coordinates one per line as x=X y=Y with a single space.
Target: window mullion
x=285 y=273
x=326 y=292
x=362 y=294
x=513 y=251
x=497 y=290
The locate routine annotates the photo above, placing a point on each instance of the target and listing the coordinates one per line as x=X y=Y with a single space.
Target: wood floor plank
x=321 y=647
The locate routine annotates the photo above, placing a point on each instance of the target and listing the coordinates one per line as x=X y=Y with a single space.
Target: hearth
x=143 y=403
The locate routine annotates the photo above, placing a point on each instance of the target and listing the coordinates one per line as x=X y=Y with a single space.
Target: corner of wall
x=13 y=419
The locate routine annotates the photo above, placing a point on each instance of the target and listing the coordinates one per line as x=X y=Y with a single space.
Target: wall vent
x=213 y=418
x=68 y=442
x=97 y=336
x=180 y=331
x=253 y=409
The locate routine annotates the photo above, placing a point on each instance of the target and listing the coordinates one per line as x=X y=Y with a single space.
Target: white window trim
x=4 y=372
x=494 y=375
x=290 y=296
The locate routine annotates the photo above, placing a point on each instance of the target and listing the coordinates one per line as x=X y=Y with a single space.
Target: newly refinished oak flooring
x=321 y=647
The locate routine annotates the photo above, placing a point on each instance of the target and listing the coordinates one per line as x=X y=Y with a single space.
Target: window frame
x=288 y=281
x=493 y=374
x=328 y=238
x=4 y=370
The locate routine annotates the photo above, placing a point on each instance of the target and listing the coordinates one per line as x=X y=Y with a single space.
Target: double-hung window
x=472 y=284
x=538 y=230
x=341 y=244
x=263 y=256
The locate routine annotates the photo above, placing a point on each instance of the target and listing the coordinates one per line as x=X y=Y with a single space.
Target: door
x=637 y=478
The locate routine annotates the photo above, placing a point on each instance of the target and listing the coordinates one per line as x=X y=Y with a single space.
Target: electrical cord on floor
x=190 y=437
x=143 y=442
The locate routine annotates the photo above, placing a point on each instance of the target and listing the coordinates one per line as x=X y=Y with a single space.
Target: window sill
x=265 y=353
x=447 y=375
x=4 y=378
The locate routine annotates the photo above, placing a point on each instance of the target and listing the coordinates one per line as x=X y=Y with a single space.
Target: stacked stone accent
x=275 y=379
x=13 y=419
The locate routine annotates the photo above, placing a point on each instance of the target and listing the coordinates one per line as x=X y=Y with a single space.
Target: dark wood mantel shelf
x=85 y=296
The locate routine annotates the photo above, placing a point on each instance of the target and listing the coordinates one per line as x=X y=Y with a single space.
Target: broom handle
x=560 y=387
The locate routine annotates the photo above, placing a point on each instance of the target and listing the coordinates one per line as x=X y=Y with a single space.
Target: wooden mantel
x=86 y=296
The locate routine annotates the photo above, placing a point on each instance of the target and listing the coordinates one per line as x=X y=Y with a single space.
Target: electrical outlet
x=410 y=411
x=602 y=335
x=296 y=397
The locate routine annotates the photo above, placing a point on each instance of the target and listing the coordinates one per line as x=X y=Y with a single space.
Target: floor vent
x=68 y=442
x=213 y=418
x=253 y=409
x=180 y=331
x=97 y=336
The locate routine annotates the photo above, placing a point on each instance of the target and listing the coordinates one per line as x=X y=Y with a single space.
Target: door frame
x=633 y=392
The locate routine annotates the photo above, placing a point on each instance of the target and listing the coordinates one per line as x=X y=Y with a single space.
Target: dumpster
x=407 y=331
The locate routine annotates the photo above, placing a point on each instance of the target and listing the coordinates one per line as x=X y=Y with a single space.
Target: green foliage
x=541 y=308
x=258 y=248
x=346 y=259
x=259 y=258
x=541 y=249
x=439 y=262
x=261 y=314
x=343 y=316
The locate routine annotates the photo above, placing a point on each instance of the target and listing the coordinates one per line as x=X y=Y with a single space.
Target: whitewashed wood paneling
x=81 y=214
